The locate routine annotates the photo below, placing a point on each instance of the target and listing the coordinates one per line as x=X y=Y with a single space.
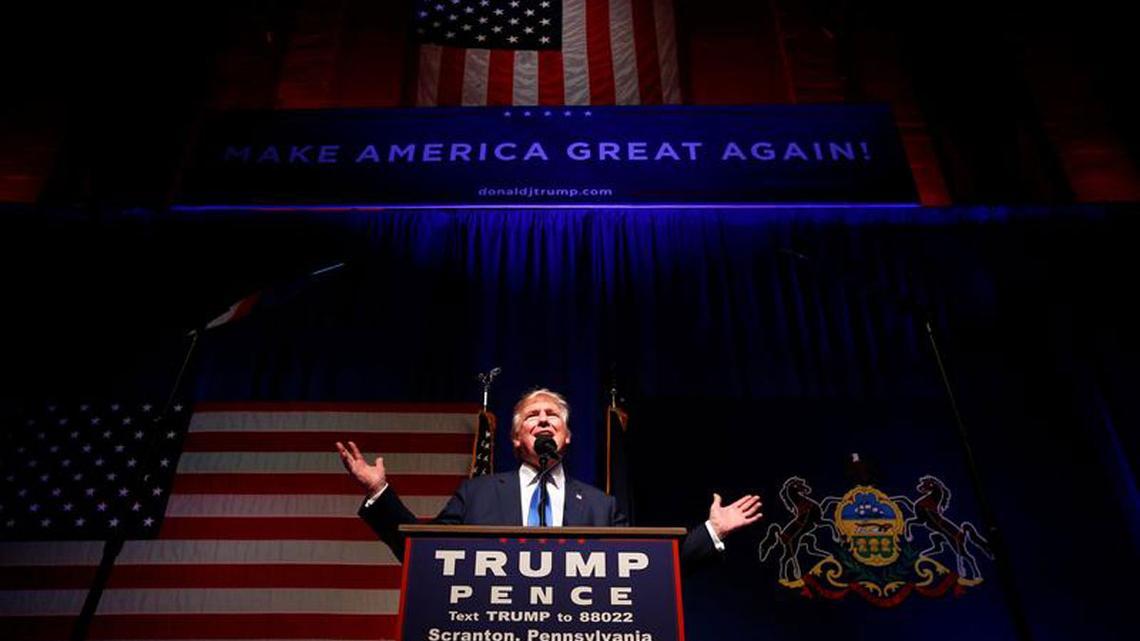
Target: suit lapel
x=510 y=500
x=572 y=508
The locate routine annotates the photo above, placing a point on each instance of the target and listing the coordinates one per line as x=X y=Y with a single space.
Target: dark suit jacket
x=495 y=500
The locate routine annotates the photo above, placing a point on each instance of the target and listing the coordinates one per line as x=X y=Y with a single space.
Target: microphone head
x=545 y=446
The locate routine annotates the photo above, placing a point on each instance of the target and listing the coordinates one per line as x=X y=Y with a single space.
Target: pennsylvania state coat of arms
x=879 y=547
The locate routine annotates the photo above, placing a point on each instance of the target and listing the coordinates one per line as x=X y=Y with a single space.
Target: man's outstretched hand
x=727 y=518
x=371 y=477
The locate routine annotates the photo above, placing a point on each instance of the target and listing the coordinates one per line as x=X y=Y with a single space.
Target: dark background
x=748 y=345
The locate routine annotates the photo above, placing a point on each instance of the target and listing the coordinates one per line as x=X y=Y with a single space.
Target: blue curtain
x=750 y=345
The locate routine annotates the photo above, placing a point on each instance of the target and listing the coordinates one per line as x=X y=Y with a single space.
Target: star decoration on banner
x=90 y=483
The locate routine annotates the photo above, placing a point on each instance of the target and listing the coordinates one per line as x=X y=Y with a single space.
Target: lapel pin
x=578 y=496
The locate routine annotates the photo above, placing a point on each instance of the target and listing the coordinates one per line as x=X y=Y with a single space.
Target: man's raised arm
x=372 y=478
x=382 y=510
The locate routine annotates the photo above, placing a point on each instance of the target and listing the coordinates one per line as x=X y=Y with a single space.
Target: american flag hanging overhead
x=260 y=538
x=546 y=52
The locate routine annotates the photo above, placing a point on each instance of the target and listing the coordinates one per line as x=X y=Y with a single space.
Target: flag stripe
x=667 y=51
x=240 y=600
x=315 y=529
x=27 y=577
x=476 y=66
x=328 y=411
x=648 y=60
x=599 y=52
x=209 y=626
x=427 y=87
x=551 y=78
x=41 y=602
x=243 y=575
x=284 y=420
x=576 y=68
x=41 y=554
x=420 y=484
x=323 y=442
x=215 y=600
x=49 y=552
x=500 y=81
x=627 y=89
x=525 y=78
x=287 y=505
x=314 y=463
x=451 y=76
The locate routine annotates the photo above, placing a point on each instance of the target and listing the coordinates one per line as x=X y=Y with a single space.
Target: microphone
x=546 y=449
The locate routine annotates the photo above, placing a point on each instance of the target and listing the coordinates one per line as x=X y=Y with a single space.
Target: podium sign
x=566 y=588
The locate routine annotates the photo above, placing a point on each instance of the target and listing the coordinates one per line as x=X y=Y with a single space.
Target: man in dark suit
x=513 y=498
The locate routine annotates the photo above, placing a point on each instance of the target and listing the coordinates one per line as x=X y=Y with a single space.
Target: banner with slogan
x=665 y=155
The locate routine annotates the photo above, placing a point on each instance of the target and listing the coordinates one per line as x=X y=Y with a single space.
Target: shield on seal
x=870 y=523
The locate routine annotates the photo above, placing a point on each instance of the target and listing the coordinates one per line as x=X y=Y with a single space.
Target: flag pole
x=1006 y=576
x=111 y=549
x=114 y=544
x=609 y=438
x=617 y=453
x=194 y=334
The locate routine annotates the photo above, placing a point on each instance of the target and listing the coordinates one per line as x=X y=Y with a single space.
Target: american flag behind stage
x=261 y=538
x=546 y=52
x=88 y=470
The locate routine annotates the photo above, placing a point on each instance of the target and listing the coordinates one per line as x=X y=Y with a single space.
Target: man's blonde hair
x=563 y=409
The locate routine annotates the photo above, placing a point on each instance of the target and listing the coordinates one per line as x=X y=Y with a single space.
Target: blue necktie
x=532 y=519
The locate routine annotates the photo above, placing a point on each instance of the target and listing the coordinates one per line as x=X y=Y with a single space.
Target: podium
x=504 y=583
